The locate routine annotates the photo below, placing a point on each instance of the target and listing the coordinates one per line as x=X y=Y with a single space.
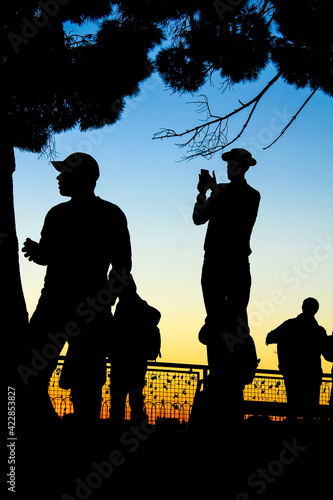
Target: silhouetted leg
x=118 y=390
x=293 y=397
x=238 y=295
x=311 y=396
x=220 y=379
x=331 y=397
x=214 y=291
x=136 y=390
x=38 y=403
x=41 y=356
x=226 y=292
x=136 y=404
x=35 y=396
x=87 y=403
x=234 y=399
x=117 y=410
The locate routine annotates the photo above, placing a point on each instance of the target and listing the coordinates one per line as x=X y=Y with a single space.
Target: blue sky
x=292 y=240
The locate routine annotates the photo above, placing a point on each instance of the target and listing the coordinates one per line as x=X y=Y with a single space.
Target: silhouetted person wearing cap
x=80 y=240
x=300 y=344
x=231 y=211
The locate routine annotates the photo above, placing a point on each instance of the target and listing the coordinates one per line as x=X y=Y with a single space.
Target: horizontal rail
x=170 y=390
x=205 y=368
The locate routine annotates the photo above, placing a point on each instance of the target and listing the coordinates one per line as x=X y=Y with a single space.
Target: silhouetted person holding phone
x=231 y=211
x=80 y=240
x=300 y=344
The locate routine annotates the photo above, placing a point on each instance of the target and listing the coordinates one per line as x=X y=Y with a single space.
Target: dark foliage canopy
x=303 y=49
x=239 y=38
x=52 y=80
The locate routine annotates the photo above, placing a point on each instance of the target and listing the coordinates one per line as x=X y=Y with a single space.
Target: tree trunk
x=14 y=316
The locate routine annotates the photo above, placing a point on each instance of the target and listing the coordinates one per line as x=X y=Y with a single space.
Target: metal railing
x=171 y=387
x=267 y=396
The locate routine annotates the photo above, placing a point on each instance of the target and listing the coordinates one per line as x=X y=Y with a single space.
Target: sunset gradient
x=292 y=240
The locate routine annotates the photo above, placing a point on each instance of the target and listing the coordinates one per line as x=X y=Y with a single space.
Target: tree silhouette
x=52 y=80
x=239 y=39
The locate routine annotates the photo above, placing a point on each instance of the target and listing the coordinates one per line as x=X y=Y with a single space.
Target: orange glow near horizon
x=169 y=393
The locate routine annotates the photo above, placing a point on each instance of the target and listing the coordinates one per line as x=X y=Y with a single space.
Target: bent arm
x=201 y=212
x=274 y=336
x=204 y=207
x=40 y=252
x=33 y=251
x=270 y=338
x=279 y=334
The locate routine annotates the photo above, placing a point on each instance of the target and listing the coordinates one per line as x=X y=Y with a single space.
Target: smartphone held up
x=206 y=181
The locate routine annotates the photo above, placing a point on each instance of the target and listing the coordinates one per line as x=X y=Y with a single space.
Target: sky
x=292 y=241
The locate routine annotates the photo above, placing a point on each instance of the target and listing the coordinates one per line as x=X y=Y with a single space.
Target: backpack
x=136 y=332
x=153 y=344
x=328 y=348
x=246 y=360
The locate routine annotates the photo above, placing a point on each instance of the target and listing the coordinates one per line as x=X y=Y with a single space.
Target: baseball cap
x=81 y=163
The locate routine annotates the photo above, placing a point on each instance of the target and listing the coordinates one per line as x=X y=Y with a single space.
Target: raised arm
x=203 y=206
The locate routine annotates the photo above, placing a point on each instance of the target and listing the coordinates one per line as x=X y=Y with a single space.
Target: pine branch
x=48 y=151
x=214 y=140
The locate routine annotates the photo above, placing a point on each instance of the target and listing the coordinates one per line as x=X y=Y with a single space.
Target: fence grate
x=170 y=390
x=168 y=393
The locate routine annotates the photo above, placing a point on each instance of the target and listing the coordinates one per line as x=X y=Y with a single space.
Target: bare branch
x=75 y=40
x=292 y=119
x=210 y=137
x=245 y=124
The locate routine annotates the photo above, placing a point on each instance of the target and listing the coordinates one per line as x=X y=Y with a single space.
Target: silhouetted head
x=310 y=306
x=239 y=161
x=78 y=174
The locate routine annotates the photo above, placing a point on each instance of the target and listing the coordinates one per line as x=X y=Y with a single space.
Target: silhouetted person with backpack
x=135 y=339
x=79 y=241
x=231 y=211
x=300 y=344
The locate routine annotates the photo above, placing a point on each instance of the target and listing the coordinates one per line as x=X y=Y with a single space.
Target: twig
x=292 y=119
x=212 y=141
x=49 y=152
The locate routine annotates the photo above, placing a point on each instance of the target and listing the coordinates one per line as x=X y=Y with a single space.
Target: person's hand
x=30 y=249
x=213 y=179
x=206 y=182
